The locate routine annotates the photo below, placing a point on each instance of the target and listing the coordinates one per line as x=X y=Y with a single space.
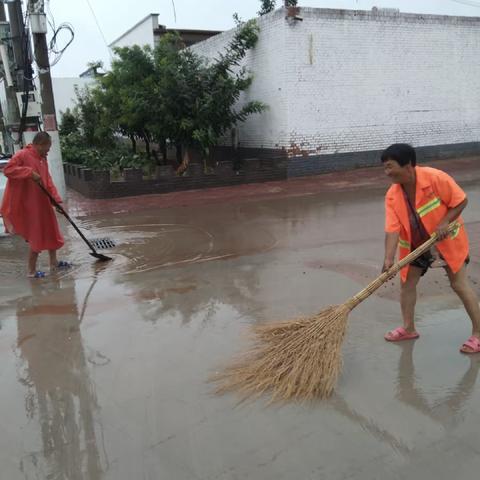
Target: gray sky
x=117 y=16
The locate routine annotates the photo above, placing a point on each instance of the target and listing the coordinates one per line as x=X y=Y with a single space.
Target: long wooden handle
x=67 y=216
x=394 y=269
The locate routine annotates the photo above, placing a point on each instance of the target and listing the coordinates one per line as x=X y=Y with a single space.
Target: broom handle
x=67 y=216
x=394 y=269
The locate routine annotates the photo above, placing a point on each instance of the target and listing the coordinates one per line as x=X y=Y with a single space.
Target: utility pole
x=17 y=33
x=3 y=19
x=38 y=22
x=12 y=34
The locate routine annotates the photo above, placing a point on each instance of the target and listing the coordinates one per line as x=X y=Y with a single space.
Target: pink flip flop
x=473 y=343
x=400 y=334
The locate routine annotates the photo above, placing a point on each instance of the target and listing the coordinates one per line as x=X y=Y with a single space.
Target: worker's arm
x=392 y=232
x=391 y=243
x=16 y=170
x=452 y=214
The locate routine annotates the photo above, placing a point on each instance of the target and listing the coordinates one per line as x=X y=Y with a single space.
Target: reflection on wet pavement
x=103 y=368
x=59 y=396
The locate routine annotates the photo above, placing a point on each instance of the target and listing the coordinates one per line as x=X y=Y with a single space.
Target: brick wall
x=352 y=82
x=98 y=184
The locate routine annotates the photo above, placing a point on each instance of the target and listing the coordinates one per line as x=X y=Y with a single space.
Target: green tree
x=266 y=6
x=69 y=123
x=196 y=101
x=223 y=81
x=177 y=73
x=96 y=131
x=94 y=67
x=168 y=95
x=87 y=138
x=125 y=93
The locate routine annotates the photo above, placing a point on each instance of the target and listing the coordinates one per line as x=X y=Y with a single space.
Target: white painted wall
x=360 y=81
x=141 y=34
x=266 y=62
x=345 y=81
x=64 y=92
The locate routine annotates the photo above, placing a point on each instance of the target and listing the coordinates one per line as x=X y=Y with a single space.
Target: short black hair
x=402 y=153
x=41 y=138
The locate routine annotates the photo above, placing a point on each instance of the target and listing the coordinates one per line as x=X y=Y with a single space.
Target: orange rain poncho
x=26 y=209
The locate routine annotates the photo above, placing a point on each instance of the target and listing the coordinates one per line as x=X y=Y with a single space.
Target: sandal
x=38 y=274
x=400 y=334
x=473 y=343
x=64 y=264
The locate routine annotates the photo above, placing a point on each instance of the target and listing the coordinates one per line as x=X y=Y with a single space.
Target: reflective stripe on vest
x=455 y=233
x=403 y=243
x=428 y=207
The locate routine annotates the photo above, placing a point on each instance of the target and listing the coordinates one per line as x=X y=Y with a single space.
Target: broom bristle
x=292 y=360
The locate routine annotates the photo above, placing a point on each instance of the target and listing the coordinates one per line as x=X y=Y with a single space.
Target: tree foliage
x=125 y=94
x=221 y=84
x=167 y=95
x=266 y=6
x=87 y=138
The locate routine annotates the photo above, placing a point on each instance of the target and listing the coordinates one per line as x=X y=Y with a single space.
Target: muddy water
x=103 y=369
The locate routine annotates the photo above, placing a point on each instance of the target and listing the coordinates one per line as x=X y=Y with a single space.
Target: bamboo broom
x=301 y=359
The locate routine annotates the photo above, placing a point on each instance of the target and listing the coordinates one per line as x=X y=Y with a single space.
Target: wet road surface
x=103 y=368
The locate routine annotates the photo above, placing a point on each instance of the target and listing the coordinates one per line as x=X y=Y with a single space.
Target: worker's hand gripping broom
x=301 y=359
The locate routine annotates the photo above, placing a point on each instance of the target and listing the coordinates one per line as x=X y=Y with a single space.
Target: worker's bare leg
x=32 y=262
x=408 y=298
x=462 y=287
x=53 y=260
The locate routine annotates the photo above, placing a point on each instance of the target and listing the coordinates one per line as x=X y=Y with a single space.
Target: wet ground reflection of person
x=448 y=411
x=60 y=393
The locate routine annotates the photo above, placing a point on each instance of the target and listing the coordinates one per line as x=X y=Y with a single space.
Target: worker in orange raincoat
x=26 y=209
x=421 y=201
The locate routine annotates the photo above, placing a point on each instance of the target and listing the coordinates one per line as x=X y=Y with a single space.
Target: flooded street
x=104 y=368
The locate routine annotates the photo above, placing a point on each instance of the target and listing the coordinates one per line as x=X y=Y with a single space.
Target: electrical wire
x=53 y=47
x=53 y=44
x=49 y=13
x=470 y=3
x=99 y=27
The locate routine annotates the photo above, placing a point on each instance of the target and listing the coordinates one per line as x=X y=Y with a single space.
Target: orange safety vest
x=435 y=193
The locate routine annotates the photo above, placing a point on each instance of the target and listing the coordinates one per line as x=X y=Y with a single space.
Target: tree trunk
x=179 y=155
x=134 y=144
x=163 y=148
x=146 y=138
x=147 y=147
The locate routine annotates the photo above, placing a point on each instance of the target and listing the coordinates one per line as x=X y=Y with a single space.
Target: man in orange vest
x=421 y=201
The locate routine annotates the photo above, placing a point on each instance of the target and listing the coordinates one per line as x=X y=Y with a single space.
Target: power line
x=54 y=48
x=51 y=20
x=470 y=3
x=174 y=11
x=98 y=26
